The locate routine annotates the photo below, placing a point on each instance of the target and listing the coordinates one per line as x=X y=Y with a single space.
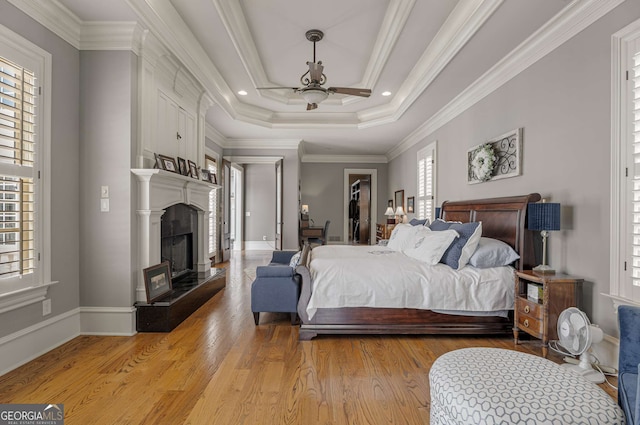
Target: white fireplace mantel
x=157 y=190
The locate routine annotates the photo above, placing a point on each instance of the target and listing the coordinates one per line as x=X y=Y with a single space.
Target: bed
x=502 y=218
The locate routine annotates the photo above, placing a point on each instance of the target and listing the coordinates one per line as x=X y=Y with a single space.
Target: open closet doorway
x=237 y=208
x=360 y=206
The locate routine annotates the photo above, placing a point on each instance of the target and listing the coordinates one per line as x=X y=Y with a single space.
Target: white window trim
x=618 y=163
x=25 y=53
x=209 y=152
x=431 y=147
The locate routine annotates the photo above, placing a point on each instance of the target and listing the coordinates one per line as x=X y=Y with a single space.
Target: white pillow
x=295 y=260
x=402 y=237
x=429 y=245
x=492 y=253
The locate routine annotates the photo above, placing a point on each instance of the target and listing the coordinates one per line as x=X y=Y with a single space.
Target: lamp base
x=544 y=269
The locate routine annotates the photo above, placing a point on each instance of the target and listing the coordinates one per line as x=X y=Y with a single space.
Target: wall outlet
x=46 y=307
x=264 y=237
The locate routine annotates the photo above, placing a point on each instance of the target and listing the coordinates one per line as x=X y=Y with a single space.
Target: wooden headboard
x=502 y=218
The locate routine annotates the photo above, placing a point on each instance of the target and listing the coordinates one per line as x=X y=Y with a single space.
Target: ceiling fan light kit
x=312 y=80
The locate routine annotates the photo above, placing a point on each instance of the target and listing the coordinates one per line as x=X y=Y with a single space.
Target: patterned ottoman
x=496 y=386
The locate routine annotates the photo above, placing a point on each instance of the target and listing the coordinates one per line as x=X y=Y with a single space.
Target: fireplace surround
x=159 y=191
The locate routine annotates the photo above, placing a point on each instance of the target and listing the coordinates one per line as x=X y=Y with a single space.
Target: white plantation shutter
x=426 y=182
x=212 y=165
x=17 y=147
x=632 y=291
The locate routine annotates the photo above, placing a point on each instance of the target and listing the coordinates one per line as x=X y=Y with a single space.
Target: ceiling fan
x=312 y=80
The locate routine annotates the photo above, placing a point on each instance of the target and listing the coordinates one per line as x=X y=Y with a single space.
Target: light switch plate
x=104 y=191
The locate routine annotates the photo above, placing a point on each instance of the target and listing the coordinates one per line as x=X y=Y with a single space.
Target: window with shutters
x=625 y=191
x=24 y=186
x=426 y=182
x=211 y=164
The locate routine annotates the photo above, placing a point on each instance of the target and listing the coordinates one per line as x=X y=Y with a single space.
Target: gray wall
x=107 y=128
x=563 y=104
x=290 y=177
x=65 y=175
x=260 y=201
x=322 y=188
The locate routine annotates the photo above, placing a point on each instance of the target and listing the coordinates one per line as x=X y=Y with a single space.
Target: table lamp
x=389 y=213
x=399 y=214
x=545 y=217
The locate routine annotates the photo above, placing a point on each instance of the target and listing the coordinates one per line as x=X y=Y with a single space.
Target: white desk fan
x=576 y=334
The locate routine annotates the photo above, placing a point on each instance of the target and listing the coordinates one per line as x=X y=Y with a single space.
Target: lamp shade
x=312 y=95
x=543 y=216
x=389 y=211
x=305 y=209
x=399 y=211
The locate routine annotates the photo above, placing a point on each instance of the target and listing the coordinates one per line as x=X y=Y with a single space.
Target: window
x=426 y=182
x=211 y=164
x=625 y=190
x=17 y=128
x=24 y=184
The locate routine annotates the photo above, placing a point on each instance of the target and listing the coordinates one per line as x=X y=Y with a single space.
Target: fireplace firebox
x=179 y=232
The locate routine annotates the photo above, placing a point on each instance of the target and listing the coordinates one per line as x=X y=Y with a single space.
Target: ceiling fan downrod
x=314 y=36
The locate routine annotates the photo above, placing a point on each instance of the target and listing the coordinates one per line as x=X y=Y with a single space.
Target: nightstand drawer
x=529 y=308
x=530 y=325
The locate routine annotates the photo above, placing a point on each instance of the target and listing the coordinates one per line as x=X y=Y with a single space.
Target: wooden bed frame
x=502 y=218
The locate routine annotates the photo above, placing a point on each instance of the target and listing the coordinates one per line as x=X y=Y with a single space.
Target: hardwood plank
x=218 y=367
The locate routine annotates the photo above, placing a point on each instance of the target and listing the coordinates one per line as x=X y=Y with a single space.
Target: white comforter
x=375 y=276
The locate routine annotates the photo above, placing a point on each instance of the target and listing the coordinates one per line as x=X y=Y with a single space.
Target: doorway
x=360 y=207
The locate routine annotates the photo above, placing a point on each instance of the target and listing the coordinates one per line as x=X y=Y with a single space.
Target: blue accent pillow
x=459 y=252
x=416 y=222
x=440 y=224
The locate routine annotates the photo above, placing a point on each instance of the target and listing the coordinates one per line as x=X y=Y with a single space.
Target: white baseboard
x=114 y=321
x=25 y=345
x=607 y=351
x=259 y=245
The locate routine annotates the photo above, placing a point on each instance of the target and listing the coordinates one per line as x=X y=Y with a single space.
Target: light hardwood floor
x=217 y=367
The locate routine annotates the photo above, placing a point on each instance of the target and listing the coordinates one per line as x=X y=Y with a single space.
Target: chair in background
x=629 y=362
x=322 y=240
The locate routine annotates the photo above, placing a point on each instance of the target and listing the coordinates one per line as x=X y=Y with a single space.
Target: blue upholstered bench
x=629 y=362
x=276 y=288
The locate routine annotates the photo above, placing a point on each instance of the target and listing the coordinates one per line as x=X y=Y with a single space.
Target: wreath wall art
x=495 y=159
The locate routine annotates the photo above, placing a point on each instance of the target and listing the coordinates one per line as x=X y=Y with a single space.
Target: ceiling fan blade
x=277 y=88
x=350 y=91
x=315 y=72
x=312 y=106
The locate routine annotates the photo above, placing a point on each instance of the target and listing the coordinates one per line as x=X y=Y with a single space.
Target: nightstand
x=383 y=231
x=539 y=317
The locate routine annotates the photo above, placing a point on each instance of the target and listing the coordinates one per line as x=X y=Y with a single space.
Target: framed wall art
x=410 y=204
x=398 y=198
x=495 y=159
x=157 y=281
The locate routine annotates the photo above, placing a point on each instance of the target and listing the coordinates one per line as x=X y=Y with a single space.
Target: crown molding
x=571 y=20
x=233 y=19
x=214 y=135
x=55 y=17
x=262 y=144
x=244 y=159
x=111 y=36
x=463 y=22
x=345 y=159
